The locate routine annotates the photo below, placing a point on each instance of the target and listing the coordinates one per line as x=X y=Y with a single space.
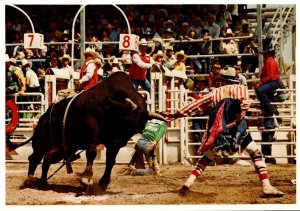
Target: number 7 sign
x=129 y=42
x=33 y=40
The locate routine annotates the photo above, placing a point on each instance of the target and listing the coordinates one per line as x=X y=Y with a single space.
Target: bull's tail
x=12 y=146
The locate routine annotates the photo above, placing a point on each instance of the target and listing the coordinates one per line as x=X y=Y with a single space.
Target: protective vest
x=136 y=72
x=93 y=81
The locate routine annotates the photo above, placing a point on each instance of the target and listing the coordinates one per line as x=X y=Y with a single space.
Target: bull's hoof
x=102 y=186
x=34 y=182
x=103 y=183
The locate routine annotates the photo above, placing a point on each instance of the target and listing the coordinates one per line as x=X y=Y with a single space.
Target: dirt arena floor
x=222 y=184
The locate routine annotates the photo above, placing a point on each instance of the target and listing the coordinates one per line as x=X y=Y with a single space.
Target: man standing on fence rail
x=226 y=130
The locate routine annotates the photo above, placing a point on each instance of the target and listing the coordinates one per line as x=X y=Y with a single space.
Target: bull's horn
x=153 y=115
x=134 y=106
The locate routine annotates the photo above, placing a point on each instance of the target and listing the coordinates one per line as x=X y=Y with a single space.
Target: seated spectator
x=205 y=48
x=228 y=46
x=65 y=61
x=169 y=25
x=126 y=59
x=250 y=63
x=170 y=57
x=214 y=31
x=221 y=21
x=180 y=63
x=239 y=76
x=197 y=26
x=159 y=57
x=214 y=80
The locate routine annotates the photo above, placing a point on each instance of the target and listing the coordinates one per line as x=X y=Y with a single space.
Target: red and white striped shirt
x=209 y=100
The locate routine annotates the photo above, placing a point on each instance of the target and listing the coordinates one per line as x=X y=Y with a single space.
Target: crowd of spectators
x=158 y=23
x=104 y=23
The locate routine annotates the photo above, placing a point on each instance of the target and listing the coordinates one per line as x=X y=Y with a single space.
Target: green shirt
x=12 y=81
x=155 y=129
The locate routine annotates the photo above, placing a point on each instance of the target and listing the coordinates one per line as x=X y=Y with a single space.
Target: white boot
x=272 y=191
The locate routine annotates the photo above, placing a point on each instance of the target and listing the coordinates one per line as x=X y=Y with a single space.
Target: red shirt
x=270 y=71
x=137 y=72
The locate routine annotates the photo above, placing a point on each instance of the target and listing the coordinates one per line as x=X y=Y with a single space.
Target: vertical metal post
x=259 y=36
x=83 y=37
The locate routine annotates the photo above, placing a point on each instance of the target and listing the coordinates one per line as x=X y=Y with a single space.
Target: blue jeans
x=265 y=94
x=144 y=84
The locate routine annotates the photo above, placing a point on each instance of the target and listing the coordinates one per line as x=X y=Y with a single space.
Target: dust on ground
x=221 y=184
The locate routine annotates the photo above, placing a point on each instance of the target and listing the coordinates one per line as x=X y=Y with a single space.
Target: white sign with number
x=33 y=40
x=129 y=42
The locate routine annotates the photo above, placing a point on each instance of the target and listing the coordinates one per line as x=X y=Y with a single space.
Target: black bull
x=109 y=113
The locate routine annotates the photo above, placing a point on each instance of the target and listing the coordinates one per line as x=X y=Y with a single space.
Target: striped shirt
x=209 y=100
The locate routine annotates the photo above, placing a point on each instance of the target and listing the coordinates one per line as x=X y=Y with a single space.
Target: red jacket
x=270 y=71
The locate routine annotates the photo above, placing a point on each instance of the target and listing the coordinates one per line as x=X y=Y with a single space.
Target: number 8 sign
x=33 y=40
x=129 y=42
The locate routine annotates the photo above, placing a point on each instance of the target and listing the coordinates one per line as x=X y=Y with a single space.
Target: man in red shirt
x=88 y=73
x=141 y=62
x=269 y=81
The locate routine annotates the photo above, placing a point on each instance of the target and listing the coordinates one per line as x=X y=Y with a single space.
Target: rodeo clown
x=155 y=129
x=226 y=129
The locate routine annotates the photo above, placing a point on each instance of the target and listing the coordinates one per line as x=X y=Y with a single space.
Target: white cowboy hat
x=26 y=62
x=181 y=52
x=229 y=32
x=229 y=74
x=159 y=53
x=90 y=51
x=7 y=58
x=143 y=42
x=115 y=61
x=65 y=56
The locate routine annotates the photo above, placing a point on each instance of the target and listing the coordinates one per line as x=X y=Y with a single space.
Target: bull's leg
x=111 y=154
x=53 y=156
x=87 y=176
x=34 y=160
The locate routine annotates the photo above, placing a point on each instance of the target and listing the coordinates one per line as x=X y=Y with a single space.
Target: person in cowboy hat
x=15 y=81
x=227 y=106
x=65 y=60
x=116 y=67
x=159 y=56
x=170 y=57
x=229 y=46
x=180 y=63
x=88 y=72
x=269 y=82
x=141 y=62
x=32 y=81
